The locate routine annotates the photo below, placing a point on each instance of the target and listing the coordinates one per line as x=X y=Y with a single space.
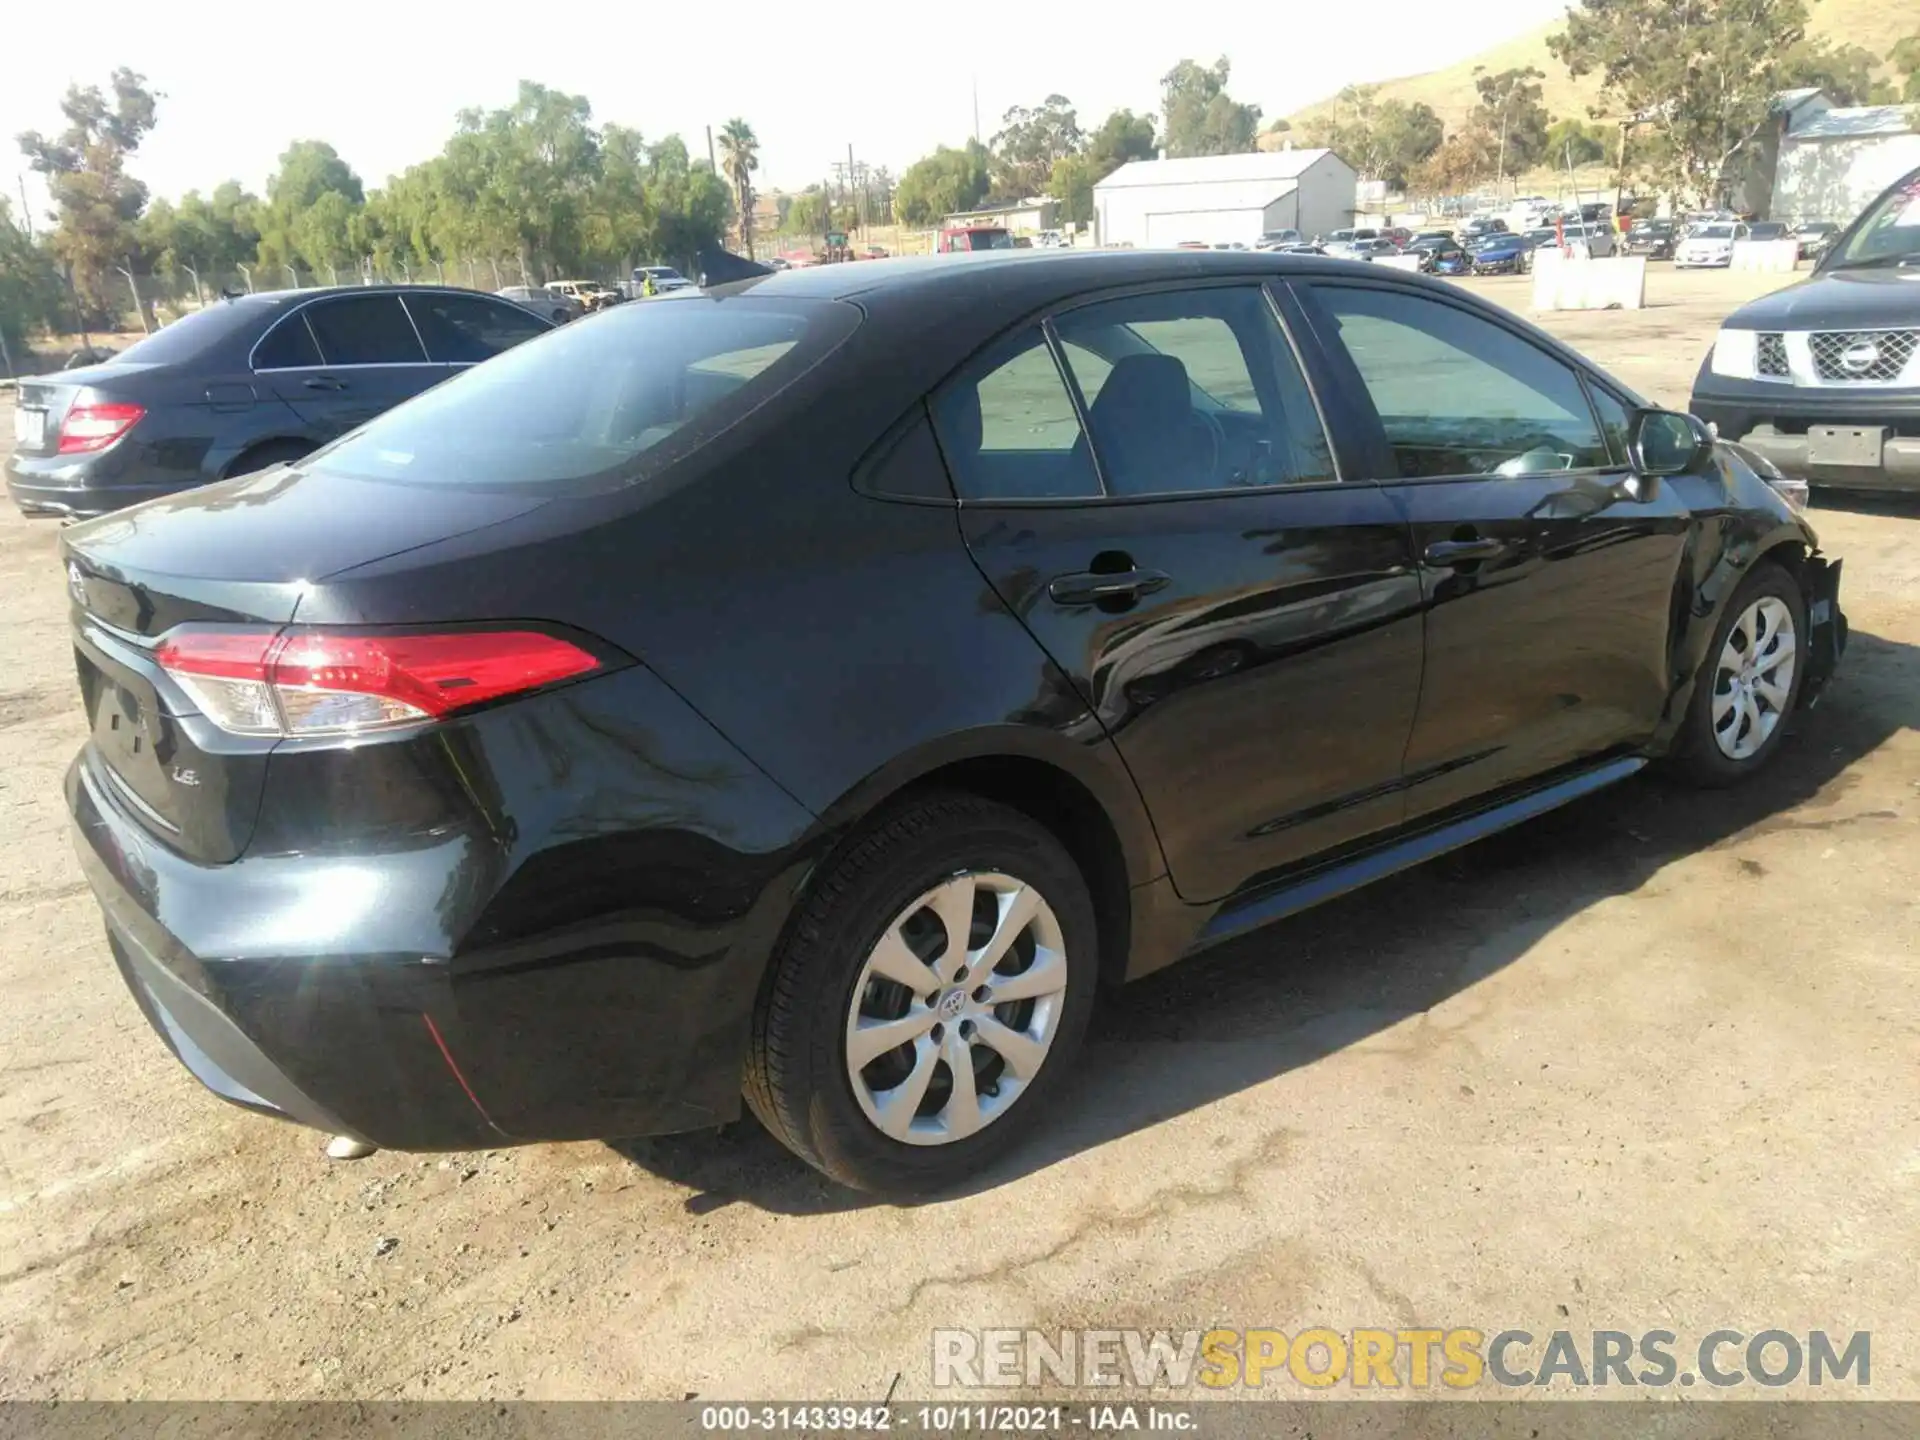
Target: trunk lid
x=240 y=552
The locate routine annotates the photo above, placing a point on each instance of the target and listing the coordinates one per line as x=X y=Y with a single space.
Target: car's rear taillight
x=87 y=428
x=317 y=681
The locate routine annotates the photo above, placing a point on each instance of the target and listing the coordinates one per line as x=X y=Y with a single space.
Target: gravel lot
x=1646 y=1063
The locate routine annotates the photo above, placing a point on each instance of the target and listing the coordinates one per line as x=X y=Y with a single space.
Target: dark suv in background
x=245 y=383
x=1822 y=378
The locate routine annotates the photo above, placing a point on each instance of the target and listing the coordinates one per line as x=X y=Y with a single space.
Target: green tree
x=1458 y=166
x=1846 y=73
x=308 y=215
x=96 y=203
x=1906 y=63
x=1030 y=143
x=1071 y=183
x=807 y=213
x=1383 y=140
x=739 y=158
x=29 y=287
x=691 y=205
x=1696 y=77
x=943 y=182
x=1122 y=137
x=1511 y=114
x=1577 y=142
x=527 y=172
x=1198 y=115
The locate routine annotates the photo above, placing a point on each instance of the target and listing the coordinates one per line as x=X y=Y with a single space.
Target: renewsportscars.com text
x=1400 y=1358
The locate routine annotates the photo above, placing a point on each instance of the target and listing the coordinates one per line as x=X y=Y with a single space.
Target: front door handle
x=324 y=382
x=1465 y=552
x=1092 y=586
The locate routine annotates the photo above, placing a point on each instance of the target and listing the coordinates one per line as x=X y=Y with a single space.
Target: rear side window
x=599 y=405
x=364 y=330
x=1193 y=390
x=1009 y=429
x=288 y=346
x=465 y=329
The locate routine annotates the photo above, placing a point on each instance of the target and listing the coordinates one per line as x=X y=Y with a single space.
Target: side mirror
x=1665 y=442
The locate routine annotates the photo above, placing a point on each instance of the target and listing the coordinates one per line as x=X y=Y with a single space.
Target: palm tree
x=740 y=149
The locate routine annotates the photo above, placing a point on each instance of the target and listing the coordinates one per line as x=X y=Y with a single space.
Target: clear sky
x=382 y=82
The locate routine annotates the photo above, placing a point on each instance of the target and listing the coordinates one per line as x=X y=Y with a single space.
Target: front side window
x=364 y=330
x=1193 y=390
x=465 y=329
x=1459 y=395
x=1009 y=429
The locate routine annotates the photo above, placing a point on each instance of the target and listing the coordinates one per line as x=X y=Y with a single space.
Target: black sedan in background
x=245 y=383
x=818 y=688
x=1653 y=239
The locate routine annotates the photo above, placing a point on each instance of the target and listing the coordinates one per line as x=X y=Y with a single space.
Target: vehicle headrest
x=961 y=425
x=1147 y=390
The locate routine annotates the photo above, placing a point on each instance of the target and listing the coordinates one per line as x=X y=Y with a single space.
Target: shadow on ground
x=1311 y=985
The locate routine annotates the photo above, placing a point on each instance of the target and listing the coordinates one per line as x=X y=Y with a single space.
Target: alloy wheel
x=956 y=1008
x=1753 y=678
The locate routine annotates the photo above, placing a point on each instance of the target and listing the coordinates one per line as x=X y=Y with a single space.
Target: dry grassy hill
x=1875 y=24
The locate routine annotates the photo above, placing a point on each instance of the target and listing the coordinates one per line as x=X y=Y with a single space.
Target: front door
x=354 y=357
x=1549 y=569
x=1146 y=482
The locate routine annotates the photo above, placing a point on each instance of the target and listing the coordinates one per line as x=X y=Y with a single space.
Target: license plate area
x=29 y=428
x=1846 y=445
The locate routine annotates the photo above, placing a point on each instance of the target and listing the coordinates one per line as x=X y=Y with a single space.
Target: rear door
x=342 y=360
x=1549 y=579
x=1147 y=482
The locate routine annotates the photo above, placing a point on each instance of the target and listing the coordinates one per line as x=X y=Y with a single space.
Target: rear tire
x=871 y=949
x=1748 y=688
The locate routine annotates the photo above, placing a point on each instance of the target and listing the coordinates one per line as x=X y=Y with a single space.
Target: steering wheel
x=1217 y=439
x=1541 y=459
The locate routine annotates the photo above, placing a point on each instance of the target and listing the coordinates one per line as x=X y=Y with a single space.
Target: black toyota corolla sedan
x=818 y=688
x=245 y=383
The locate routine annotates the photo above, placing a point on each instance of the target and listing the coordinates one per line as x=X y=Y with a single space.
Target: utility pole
x=26 y=212
x=976 y=109
x=712 y=164
x=853 y=196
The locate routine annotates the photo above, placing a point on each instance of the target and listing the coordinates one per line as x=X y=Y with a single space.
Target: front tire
x=929 y=998
x=1749 y=686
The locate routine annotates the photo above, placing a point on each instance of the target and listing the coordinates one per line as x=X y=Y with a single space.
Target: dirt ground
x=1647 y=1063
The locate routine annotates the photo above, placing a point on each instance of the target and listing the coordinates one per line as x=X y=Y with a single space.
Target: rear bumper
x=327 y=1043
x=79 y=488
x=426 y=987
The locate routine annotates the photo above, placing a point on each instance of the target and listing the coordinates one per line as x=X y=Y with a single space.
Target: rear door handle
x=1465 y=552
x=324 y=382
x=1091 y=587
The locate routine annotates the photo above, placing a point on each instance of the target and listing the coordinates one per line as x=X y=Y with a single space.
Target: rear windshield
x=194 y=334
x=593 y=404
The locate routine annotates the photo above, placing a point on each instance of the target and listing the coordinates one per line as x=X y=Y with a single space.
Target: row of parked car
x=1707 y=241
x=564 y=300
x=1479 y=247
